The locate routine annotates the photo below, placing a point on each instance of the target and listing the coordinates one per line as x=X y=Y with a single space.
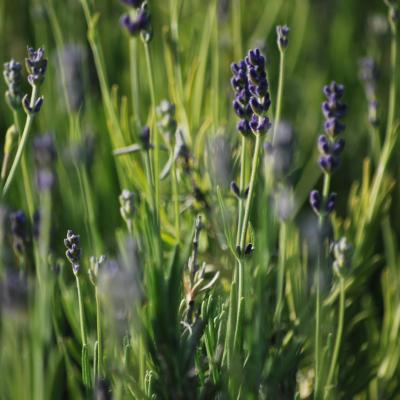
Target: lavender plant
x=224 y=307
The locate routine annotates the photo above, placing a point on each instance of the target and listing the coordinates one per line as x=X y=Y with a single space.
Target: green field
x=199 y=199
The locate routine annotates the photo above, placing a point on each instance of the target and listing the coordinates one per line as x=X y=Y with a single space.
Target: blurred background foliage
x=328 y=37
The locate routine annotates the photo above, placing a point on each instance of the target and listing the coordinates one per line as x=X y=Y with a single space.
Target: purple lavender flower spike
x=36 y=65
x=368 y=74
x=329 y=145
x=252 y=100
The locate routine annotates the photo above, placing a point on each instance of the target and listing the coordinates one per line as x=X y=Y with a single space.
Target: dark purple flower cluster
x=141 y=24
x=45 y=156
x=368 y=75
x=252 y=99
x=329 y=144
x=13 y=77
x=73 y=253
x=282 y=32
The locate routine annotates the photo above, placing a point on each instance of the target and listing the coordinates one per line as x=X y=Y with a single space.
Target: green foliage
x=201 y=293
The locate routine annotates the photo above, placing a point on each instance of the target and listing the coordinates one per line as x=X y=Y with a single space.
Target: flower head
x=13 y=78
x=36 y=65
x=73 y=253
x=282 y=32
x=252 y=99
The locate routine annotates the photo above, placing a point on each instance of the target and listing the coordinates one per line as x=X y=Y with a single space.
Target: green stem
x=133 y=51
x=393 y=79
x=241 y=188
x=251 y=190
x=22 y=143
x=25 y=173
x=281 y=269
x=156 y=135
x=175 y=191
x=279 y=94
x=325 y=194
x=339 y=334
x=81 y=315
x=99 y=336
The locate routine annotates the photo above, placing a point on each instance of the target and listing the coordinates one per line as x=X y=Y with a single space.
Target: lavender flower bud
x=73 y=253
x=330 y=203
x=31 y=110
x=259 y=125
x=315 y=201
x=145 y=138
x=235 y=189
x=19 y=231
x=13 y=78
x=36 y=65
x=140 y=25
x=282 y=36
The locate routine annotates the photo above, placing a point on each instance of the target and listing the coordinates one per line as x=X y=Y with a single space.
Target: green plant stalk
x=156 y=136
x=322 y=217
x=25 y=172
x=393 y=78
x=339 y=334
x=99 y=336
x=133 y=56
x=246 y=217
x=237 y=28
x=281 y=269
x=175 y=191
x=279 y=96
x=247 y=208
x=282 y=227
x=22 y=143
x=85 y=361
x=241 y=188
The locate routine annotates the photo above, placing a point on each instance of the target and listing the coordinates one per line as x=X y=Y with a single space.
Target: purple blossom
x=282 y=32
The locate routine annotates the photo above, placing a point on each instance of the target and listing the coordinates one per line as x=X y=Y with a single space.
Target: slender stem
x=99 y=336
x=321 y=257
x=133 y=51
x=175 y=191
x=393 y=79
x=156 y=135
x=281 y=269
x=251 y=190
x=241 y=188
x=239 y=310
x=81 y=315
x=339 y=333
x=21 y=145
x=279 y=96
x=25 y=172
